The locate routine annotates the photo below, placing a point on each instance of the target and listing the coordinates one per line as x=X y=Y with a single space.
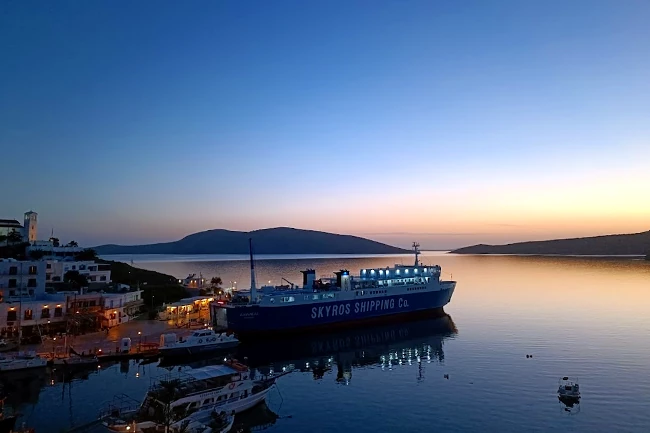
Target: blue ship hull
x=247 y=320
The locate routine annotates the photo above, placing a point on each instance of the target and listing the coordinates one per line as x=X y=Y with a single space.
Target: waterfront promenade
x=140 y=331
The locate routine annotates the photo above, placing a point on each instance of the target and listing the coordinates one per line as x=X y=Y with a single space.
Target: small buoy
x=527 y=356
x=446 y=376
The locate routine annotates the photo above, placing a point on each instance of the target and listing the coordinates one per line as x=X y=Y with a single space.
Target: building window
x=48 y=266
x=74 y=267
x=12 y=293
x=56 y=279
x=29 y=314
x=102 y=278
x=48 y=277
x=12 y=316
x=31 y=282
x=13 y=283
x=31 y=292
x=58 y=312
x=13 y=270
x=45 y=313
x=92 y=303
x=33 y=270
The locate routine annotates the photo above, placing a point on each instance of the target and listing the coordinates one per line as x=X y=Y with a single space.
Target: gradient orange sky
x=433 y=121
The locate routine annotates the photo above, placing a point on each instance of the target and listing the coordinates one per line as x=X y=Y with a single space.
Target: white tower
x=30 y=226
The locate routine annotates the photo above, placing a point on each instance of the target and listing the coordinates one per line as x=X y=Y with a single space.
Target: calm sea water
x=588 y=318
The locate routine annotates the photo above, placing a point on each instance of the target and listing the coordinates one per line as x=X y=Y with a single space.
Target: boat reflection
x=385 y=346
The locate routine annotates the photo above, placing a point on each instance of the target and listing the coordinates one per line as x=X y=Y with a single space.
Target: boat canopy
x=210 y=371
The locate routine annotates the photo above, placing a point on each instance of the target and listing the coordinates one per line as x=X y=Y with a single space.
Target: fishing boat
x=568 y=389
x=194 y=395
x=200 y=341
x=375 y=295
x=21 y=361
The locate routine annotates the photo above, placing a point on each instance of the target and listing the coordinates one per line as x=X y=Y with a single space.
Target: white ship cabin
x=375 y=281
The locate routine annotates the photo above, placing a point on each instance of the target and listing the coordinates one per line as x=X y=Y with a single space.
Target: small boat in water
x=214 y=423
x=568 y=390
x=201 y=341
x=21 y=361
x=197 y=396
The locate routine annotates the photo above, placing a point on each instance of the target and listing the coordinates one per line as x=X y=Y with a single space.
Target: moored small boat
x=200 y=341
x=568 y=389
x=21 y=361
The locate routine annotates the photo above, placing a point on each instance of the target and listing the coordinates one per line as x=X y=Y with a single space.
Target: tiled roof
x=10 y=223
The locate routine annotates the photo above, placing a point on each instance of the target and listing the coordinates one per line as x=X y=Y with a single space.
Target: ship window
x=316 y=297
x=206 y=401
x=287 y=299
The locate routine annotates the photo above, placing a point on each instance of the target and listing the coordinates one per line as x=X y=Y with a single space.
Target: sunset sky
x=447 y=122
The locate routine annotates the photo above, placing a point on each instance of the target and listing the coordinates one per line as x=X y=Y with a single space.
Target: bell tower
x=30 y=226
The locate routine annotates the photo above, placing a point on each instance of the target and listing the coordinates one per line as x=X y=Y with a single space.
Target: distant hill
x=614 y=245
x=281 y=240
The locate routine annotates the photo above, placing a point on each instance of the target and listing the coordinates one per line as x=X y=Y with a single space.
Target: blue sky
x=452 y=122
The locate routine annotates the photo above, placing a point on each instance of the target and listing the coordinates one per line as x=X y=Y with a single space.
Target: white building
x=95 y=272
x=23 y=301
x=7 y=226
x=28 y=229
x=120 y=307
x=52 y=252
x=21 y=279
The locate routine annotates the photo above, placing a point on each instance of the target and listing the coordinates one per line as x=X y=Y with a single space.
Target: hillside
x=280 y=240
x=632 y=244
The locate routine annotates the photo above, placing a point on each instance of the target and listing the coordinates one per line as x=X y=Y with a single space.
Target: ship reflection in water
x=385 y=346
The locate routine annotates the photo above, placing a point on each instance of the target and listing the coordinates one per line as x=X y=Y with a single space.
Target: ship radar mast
x=253 y=288
x=416 y=250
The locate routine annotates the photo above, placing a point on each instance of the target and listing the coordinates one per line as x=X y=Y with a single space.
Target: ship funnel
x=253 y=288
x=308 y=278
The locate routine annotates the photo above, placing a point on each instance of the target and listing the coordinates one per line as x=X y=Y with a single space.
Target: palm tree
x=72 y=244
x=55 y=241
x=216 y=282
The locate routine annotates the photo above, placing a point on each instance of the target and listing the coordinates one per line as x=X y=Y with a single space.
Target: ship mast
x=416 y=250
x=253 y=288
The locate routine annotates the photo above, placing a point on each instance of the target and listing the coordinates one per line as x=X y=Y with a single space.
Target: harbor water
x=515 y=325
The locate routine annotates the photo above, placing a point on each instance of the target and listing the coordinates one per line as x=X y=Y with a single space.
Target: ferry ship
x=375 y=295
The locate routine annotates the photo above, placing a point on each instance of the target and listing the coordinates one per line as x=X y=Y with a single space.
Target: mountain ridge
x=615 y=245
x=276 y=240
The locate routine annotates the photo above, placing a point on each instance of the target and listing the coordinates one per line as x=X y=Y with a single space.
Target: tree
x=216 y=282
x=55 y=241
x=75 y=278
x=72 y=244
x=87 y=254
x=14 y=237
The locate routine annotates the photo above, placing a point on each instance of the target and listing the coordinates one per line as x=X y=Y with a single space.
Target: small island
x=636 y=244
x=280 y=240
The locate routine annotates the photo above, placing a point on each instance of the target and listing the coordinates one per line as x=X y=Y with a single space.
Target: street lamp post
x=140 y=341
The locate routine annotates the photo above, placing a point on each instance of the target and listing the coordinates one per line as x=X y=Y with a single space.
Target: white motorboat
x=215 y=423
x=206 y=422
x=568 y=389
x=201 y=341
x=21 y=361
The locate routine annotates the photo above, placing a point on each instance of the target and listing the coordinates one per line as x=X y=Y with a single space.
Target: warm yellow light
x=12 y=308
x=45 y=306
x=58 y=305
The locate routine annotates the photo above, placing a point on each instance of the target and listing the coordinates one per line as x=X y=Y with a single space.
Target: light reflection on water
x=588 y=318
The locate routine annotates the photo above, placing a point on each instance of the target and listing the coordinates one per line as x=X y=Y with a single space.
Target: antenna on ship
x=253 y=288
x=416 y=249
